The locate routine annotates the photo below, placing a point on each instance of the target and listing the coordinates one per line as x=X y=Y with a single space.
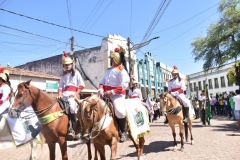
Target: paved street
x=218 y=141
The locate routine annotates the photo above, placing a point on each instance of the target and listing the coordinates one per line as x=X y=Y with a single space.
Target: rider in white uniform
x=135 y=92
x=71 y=83
x=113 y=84
x=176 y=87
x=4 y=90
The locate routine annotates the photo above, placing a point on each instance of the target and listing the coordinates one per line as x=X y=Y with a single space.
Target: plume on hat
x=65 y=54
x=174 y=67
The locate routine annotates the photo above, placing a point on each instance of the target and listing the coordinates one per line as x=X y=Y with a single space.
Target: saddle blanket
x=19 y=127
x=137 y=119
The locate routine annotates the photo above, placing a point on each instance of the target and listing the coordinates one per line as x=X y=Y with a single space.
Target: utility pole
x=72 y=51
x=129 y=61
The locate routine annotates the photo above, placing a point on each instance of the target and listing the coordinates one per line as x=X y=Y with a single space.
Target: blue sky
x=182 y=21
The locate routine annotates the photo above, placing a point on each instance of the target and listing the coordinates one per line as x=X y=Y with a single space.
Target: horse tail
x=42 y=140
x=186 y=131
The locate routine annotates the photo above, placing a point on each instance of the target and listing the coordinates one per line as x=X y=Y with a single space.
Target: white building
x=215 y=78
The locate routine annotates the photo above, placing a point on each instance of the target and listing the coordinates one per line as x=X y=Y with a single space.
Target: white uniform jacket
x=4 y=97
x=115 y=80
x=69 y=85
x=135 y=94
x=175 y=85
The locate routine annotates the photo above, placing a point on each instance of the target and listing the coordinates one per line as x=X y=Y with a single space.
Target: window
x=222 y=82
x=146 y=82
x=153 y=84
x=194 y=86
x=204 y=84
x=142 y=81
x=191 y=89
x=210 y=84
x=199 y=85
x=216 y=85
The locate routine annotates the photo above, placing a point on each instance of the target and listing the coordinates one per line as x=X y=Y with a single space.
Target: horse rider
x=5 y=90
x=71 y=83
x=135 y=92
x=113 y=85
x=177 y=87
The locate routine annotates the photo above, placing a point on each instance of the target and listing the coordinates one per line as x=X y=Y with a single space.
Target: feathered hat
x=66 y=59
x=4 y=74
x=116 y=55
x=175 y=70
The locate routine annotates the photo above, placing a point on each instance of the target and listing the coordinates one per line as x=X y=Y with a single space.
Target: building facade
x=216 y=79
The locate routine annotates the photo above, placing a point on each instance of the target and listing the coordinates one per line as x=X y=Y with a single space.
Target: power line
x=100 y=15
x=36 y=35
x=183 y=32
x=181 y=22
x=131 y=20
x=27 y=44
x=51 y=23
x=69 y=14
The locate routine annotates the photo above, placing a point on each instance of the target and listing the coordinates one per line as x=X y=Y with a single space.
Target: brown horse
x=175 y=116
x=97 y=123
x=43 y=104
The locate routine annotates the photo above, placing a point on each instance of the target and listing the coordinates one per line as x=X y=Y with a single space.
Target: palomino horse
x=5 y=133
x=43 y=105
x=97 y=123
x=175 y=116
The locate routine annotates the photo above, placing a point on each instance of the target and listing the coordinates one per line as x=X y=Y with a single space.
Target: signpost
x=51 y=86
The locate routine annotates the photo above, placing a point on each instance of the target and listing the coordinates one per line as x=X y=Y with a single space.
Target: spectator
x=221 y=104
x=196 y=107
x=156 y=108
x=232 y=104
x=236 y=100
x=212 y=103
x=219 y=112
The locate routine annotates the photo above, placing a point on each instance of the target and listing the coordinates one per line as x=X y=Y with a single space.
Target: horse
x=5 y=133
x=175 y=116
x=98 y=124
x=44 y=106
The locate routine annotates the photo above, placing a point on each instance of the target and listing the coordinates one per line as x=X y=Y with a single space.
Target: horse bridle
x=19 y=110
x=173 y=109
x=89 y=134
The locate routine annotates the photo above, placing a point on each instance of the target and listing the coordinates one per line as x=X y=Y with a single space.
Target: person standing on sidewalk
x=5 y=90
x=232 y=104
x=71 y=83
x=196 y=107
x=236 y=100
x=212 y=103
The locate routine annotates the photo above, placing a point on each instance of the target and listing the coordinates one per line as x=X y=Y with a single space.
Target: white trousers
x=118 y=101
x=4 y=106
x=186 y=102
x=72 y=103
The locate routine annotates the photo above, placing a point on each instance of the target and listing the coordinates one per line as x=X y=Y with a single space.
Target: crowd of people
x=224 y=104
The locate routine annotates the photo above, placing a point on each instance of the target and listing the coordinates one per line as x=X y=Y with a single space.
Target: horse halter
x=19 y=109
x=170 y=110
x=81 y=109
x=89 y=135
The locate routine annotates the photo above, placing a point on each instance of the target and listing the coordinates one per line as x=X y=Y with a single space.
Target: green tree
x=222 y=43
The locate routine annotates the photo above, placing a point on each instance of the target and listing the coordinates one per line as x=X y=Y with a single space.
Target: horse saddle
x=64 y=105
x=177 y=109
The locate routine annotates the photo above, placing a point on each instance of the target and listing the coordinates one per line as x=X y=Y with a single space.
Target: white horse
x=4 y=132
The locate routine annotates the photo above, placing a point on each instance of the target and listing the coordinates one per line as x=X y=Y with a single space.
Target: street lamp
x=136 y=46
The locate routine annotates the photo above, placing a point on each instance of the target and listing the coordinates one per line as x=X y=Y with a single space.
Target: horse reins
x=171 y=110
x=93 y=117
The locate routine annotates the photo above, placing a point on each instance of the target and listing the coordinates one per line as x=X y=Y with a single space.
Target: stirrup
x=71 y=135
x=123 y=137
x=185 y=120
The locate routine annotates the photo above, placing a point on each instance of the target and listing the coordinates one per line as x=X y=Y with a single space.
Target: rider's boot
x=122 y=126
x=34 y=132
x=166 y=120
x=185 y=114
x=72 y=126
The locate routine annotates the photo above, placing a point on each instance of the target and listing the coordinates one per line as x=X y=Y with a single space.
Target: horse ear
x=28 y=82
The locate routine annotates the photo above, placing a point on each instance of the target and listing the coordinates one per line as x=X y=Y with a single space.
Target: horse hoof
x=140 y=158
x=192 y=143
x=182 y=149
x=174 y=149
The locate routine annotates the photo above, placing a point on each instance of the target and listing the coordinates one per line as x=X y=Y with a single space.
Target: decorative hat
x=175 y=70
x=116 y=55
x=66 y=59
x=134 y=81
x=4 y=74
